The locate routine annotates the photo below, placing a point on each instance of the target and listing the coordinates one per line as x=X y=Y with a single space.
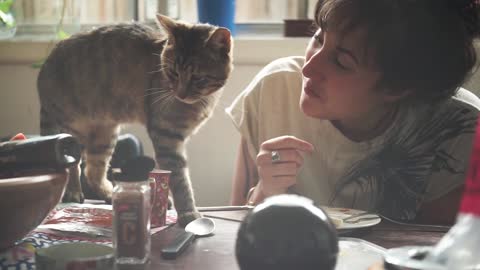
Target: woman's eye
x=342 y=62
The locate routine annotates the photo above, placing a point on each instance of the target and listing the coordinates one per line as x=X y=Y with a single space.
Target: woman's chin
x=311 y=109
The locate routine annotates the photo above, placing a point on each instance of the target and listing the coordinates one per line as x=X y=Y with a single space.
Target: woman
x=371 y=117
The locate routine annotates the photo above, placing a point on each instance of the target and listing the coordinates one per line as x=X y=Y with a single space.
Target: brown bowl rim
x=26 y=180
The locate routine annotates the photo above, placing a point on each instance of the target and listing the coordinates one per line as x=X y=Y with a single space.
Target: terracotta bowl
x=25 y=202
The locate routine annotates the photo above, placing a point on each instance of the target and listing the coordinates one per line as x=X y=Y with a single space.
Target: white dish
x=363 y=221
x=358 y=254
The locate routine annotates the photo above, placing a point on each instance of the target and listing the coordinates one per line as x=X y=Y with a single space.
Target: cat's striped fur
x=168 y=80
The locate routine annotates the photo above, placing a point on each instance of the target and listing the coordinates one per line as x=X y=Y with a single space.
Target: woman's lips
x=307 y=87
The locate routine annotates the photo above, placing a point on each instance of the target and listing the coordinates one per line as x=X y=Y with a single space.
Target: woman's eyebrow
x=345 y=51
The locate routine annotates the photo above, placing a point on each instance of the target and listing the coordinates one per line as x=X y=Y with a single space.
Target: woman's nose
x=314 y=64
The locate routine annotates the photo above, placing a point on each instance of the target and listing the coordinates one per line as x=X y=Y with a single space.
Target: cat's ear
x=221 y=39
x=166 y=24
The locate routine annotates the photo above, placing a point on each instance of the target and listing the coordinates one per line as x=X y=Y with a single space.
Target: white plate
x=358 y=254
x=342 y=213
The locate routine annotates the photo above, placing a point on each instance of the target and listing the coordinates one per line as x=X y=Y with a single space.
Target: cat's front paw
x=186 y=217
x=103 y=189
x=73 y=196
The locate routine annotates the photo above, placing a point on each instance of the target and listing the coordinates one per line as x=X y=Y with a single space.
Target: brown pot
x=299 y=28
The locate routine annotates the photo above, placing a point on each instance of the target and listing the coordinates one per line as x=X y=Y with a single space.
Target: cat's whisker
x=202 y=102
x=154 y=93
x=165 y=103
x=222 y=105
x=164 y=95
x=158 y=99
x=167 y=61
x=163 y=98
x=161 y=89
x=217 y=108
x=156 y=71
x=173 y=99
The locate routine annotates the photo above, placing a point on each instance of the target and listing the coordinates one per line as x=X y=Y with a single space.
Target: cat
x=169 y=79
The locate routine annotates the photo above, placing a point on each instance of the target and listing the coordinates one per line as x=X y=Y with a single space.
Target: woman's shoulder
x=465 y=98
x=283 y=66
x=463 y=102
x=282 y=75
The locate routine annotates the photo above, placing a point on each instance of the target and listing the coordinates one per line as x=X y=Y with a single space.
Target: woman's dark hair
x=421 y=46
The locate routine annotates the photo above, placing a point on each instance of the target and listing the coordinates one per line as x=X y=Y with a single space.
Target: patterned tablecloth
x=67 y=223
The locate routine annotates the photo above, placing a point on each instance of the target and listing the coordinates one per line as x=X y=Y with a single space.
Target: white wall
x=211 y=152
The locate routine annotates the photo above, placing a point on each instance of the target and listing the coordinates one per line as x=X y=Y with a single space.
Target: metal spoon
x=196 y=228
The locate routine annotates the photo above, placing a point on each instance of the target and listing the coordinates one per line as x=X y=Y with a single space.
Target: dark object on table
x=199 y=227
x=286 y=232
x=44 y=153
x=298 y=28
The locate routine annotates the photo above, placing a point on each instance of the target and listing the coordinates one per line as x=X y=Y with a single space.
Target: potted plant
x=8 y=25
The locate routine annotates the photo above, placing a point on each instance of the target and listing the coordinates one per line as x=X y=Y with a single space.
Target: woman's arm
x=245 y=175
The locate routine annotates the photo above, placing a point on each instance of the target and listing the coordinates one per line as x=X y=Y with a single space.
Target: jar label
x=131 y=232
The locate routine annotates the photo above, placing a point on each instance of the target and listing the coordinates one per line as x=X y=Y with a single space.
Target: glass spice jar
x=131 y=200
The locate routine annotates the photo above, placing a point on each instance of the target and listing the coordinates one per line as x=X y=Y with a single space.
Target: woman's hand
x=278 y=163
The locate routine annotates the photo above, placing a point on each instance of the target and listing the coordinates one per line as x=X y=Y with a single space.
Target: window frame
x=243 y=29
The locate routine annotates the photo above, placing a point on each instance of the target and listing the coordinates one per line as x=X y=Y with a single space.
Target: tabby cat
x=168 y=79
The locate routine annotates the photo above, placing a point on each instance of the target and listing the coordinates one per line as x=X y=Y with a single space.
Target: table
x=218 y=251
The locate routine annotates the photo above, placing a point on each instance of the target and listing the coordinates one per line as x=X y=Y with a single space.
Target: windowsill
x=248 y=49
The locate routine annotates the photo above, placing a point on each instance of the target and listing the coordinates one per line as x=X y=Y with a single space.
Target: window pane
x=268 y=11
x=254 y=11
x=107 y=11
x=45 y=11
x=82 y=11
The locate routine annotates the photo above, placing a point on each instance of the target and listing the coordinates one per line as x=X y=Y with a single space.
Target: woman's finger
x=285 y=155
x=279 y=169
x=285 y=142
x=278 y=185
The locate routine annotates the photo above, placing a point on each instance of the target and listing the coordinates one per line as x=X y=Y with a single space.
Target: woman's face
x=338 y=84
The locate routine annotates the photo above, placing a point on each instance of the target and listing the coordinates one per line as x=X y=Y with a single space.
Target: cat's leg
x=50 y=125
x=98 y=153
x=73 y=192
x=170 y=155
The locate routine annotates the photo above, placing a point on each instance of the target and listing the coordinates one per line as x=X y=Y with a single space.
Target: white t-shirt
x=393 y=173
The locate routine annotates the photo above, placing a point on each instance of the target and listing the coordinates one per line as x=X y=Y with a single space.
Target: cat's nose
x=182 y=95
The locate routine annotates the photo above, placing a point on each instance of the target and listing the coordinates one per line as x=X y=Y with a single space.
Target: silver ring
x=275 y=156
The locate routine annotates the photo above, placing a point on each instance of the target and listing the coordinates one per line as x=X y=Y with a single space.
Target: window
x=252 y=16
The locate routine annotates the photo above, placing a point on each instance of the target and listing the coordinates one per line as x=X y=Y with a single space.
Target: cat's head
x=196 y=59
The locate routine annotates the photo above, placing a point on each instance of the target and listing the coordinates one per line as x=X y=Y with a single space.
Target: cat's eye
x=200 y=81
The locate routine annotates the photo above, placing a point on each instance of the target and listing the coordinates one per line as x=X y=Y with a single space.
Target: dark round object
x=135 y=169
x=287 y=232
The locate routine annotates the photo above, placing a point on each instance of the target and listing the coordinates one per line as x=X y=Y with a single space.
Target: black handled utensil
x=199 y=227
